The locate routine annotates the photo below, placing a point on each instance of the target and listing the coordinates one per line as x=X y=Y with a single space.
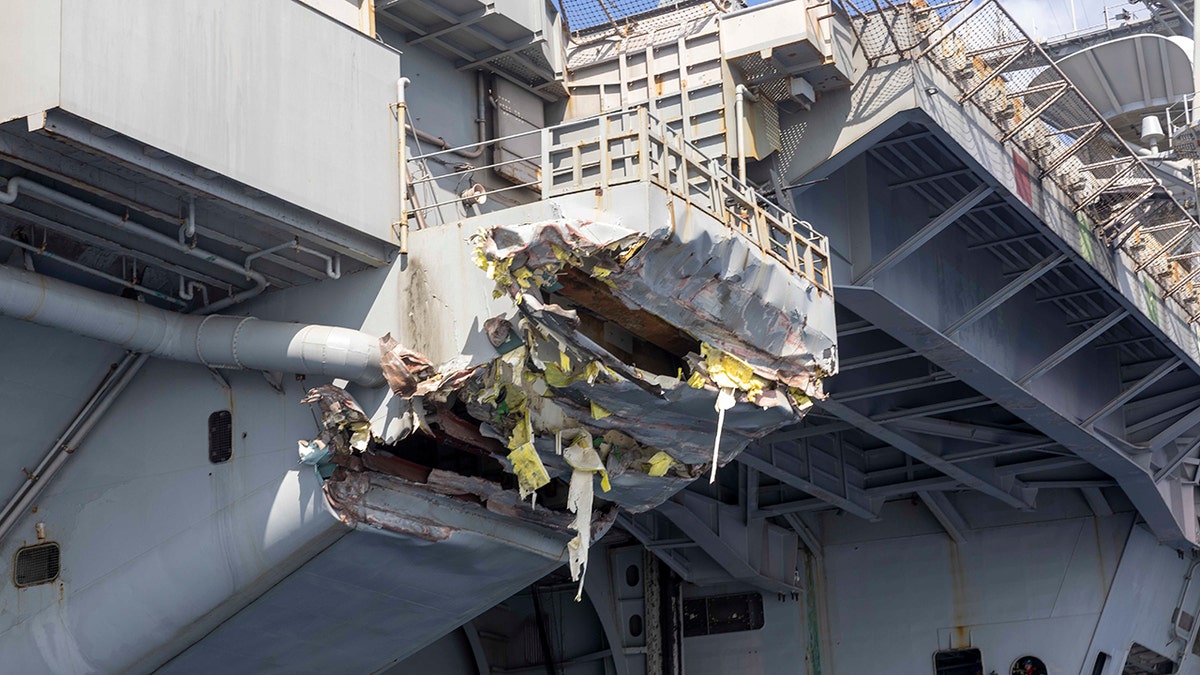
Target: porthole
x=36 y=565
x=1028 y=665
x=632 y=576
x=635 y=625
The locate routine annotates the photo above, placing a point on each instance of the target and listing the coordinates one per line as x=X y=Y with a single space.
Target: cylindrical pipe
x=741 y=93
x=28 y=248
x=19 y=185
x=402 y=149
x=481 y=138
x=92 y=412
x=213 y=340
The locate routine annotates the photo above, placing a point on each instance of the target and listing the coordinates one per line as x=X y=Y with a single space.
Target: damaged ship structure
x=593 y=337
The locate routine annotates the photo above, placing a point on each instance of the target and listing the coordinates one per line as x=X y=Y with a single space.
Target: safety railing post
x=605 y=162
x=547 y=172
x=643 y=145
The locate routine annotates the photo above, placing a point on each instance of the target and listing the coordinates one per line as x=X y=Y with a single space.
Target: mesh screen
x=1007 y=76
x=36 y=565
x=598 y=19
x=220 y=436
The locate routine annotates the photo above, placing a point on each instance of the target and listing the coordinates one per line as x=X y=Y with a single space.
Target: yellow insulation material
x=531 y=473
x=729 y=372
x=659 y=464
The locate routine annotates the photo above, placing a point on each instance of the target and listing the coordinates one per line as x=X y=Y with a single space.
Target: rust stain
x=962 y=636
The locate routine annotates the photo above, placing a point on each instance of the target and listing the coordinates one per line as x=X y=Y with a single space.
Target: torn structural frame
x=561 y=401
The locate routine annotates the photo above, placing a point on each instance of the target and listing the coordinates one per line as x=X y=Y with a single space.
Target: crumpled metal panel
x=721 y=291
x=714 y=285
x=750 y=342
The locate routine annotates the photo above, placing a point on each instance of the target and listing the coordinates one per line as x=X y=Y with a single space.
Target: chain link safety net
x=591 y=20
x=884 y=28
x=998 y=68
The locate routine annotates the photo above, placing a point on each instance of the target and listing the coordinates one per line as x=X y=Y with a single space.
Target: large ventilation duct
x=213 y=340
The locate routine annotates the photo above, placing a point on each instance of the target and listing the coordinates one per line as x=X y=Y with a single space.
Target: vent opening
x=722 y=614
x=36 y=565
x=220 y=436
x=957 y=662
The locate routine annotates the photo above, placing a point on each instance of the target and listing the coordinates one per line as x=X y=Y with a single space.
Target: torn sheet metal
x=553 y=404
x=434 y=511
x=565 y=378
x=721 y=290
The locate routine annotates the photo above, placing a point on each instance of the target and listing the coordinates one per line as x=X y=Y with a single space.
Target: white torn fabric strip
x=725 y=401
x=585 y=462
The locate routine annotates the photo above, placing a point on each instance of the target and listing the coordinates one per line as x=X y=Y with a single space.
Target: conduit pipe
x=93 y=411
x=17 y=186
x=480 y=125
x=212 y=340
x=30 y=249
x=741 y=93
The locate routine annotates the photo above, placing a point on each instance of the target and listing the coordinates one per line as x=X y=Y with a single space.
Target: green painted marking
x=1150 y=296
x=812 y=618
x=1085 y=237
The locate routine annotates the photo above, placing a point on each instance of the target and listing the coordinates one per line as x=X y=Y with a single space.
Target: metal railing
x=1007 y=75
x=630 y=146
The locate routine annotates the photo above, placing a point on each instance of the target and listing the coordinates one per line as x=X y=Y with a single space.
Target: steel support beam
x=945 y=513
x=1066 y=351
x=998 y=450
x=1133 y=390
x=1071 y=484
x=896 y=387
x=716 y=547
x=931 y=230
x=1039 y=465
x=811 y=542
x=965 y=431
x=1175 y=461
x=1133 y=478
x=876 y=359
x=985 y=484
x=752 y=458
x=1177 y=429
x=1097 y=502
x=1010 y=289
x=646 y=538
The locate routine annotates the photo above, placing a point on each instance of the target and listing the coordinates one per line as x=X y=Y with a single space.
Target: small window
x=958 y=662
x=1101 y=661
x=1028 y=665
x=632 y=576
x=635 y=625
x=220 y=436
x=36 y=565
x=722 y=614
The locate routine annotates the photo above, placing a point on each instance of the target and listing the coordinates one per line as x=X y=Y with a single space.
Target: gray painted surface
x=777 y=647
x=213 y=85
x=159 y=545
x=161 y=548
x=1012 y=590
x=364 y=603
x=31 y=38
